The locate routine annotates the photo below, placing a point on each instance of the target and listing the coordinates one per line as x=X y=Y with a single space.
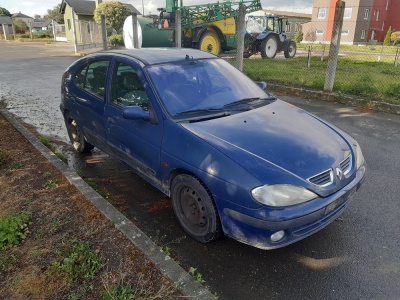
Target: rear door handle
x=111 y=121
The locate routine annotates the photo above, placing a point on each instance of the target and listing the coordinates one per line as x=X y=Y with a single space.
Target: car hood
x=276 y=137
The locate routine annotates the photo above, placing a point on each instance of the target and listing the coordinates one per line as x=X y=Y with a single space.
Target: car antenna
x=193 y=62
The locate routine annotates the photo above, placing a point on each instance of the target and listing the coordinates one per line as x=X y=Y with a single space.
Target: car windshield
x=204 y=87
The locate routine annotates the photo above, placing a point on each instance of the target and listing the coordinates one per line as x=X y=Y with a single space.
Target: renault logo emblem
x=339 y=173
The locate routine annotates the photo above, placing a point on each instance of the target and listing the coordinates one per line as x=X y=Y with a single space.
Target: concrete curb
x=335 y=97
x=168 y=267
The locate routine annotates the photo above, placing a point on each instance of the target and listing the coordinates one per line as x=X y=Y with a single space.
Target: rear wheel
x=76 y=135
x=269 y=47
x=195 y=209
x=210 y=42
x=291 y=50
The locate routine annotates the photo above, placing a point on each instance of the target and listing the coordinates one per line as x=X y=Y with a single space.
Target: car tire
x=76 y=135
x=195 y=209
x=269 y=47
x=291 y=50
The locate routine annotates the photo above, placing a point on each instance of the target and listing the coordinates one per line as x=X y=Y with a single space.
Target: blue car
x=234 y=159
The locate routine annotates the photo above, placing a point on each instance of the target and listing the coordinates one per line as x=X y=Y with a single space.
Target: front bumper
x=257 y=232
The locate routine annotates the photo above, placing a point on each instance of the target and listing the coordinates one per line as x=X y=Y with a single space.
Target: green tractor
x=264 y=34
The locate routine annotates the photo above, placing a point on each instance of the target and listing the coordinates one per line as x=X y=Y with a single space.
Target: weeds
x=13 y=229
x=6 y=262
x=45 y=141
x=4 y=156
x=61 y=156
x=196 y=275
x=79 y=263
x=50 y=184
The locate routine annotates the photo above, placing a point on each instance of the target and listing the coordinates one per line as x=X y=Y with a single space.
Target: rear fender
x=200 y=31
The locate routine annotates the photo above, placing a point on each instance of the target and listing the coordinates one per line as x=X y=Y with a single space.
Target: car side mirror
x=135 y=113
x=262 y=85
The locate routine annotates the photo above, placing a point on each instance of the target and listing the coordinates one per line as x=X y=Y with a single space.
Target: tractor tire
x=209 y=42
x=269 y=47
x=291 y=50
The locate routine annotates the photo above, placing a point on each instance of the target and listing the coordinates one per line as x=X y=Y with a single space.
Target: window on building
x=321 y=13
x=288 y=27
x=362 y=35
x=377 y=15
x=345 y=32
x=347 y=12
x=69 y=24
x=366 y=14
x=319 y=32
x=387 y=4
x=297 y=27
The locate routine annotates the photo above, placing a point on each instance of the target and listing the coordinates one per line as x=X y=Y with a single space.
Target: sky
x=40 y=7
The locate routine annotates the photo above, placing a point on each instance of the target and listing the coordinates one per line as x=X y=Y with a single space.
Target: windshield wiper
x=247 y=100
x=199 y=110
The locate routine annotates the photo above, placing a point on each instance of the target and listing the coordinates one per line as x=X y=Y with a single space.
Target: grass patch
x=78 y=263
x=374 y=80
x=4 y=156
x=45 y=141
x=13 y=229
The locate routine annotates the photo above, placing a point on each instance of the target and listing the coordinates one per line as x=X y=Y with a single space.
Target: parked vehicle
x=233 y=158
x=264 y=34
x=208 y=27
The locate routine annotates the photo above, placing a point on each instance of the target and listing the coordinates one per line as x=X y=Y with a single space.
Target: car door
x=135 y=141
x=88 y=95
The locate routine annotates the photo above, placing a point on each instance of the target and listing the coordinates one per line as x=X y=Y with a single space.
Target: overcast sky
x=40 y=7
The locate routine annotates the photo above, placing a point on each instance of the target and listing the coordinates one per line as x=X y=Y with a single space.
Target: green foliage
x=386 y=41
x=119 y=292
x=54 y=14
x=298 y=36
x=13 y=229
x=115 y=13
x=45 y=141
x=395 y=36
x=116 y=40
x=20 y=26
x=4 y=12
x=50 y=184
x=79 y=263
x=196 y=275
x=4 y=156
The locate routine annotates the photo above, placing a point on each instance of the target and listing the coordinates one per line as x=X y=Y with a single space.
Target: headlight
x=360 y=157
x=282 y=195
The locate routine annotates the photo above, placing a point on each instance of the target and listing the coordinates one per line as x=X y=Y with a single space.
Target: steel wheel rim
x=192 y=209
x=271 y=47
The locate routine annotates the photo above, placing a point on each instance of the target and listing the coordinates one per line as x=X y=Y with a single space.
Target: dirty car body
x=234 y=159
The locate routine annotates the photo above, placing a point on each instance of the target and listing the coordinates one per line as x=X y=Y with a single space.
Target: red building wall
x=384 y=14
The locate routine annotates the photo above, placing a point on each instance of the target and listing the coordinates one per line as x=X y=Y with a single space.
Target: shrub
x=298 y=37
x=386 y=41
x=116 y=40
x=13 y=229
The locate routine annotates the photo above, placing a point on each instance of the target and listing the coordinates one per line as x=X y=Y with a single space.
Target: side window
x=127 y=88
x=92 y=77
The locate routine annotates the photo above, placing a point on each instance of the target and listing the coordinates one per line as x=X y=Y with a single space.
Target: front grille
x=322 y=179
x=346 y=165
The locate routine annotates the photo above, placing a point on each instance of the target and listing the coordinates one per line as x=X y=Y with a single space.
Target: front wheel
x=269 y=47
x=210 y=42
x=76 y=135
x=291 y=50
x=195 y=209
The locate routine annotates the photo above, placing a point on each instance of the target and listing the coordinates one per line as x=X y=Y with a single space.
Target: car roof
x=152 y=56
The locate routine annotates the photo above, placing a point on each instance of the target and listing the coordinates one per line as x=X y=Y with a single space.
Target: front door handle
x=111 y=121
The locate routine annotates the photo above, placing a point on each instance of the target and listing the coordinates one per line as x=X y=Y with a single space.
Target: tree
x=4 y=12
x=388 y=36
x=115 y=13
x=37 y=17
x=54 y=14
x=20 y=26
x=298 y=36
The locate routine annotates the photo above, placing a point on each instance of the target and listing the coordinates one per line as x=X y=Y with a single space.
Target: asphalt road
x=356 y=257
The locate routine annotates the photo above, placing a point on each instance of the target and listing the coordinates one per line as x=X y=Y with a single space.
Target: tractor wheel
x=209 y=42
x=291 y=50
x=269 y=47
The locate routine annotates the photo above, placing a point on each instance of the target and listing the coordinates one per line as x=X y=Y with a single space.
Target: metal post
x=73 y=30
x=396 y=58
x=178 y=29
x=4 y=31
x=54 y=30
x=335 y=45
x=241 y=26
x=13 y=28
x=30 y=28
x=309 y=57
x=135 y=35
x=104 y=32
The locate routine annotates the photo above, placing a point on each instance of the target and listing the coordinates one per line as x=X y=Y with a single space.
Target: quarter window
x=92 y=78
x=127 y=88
